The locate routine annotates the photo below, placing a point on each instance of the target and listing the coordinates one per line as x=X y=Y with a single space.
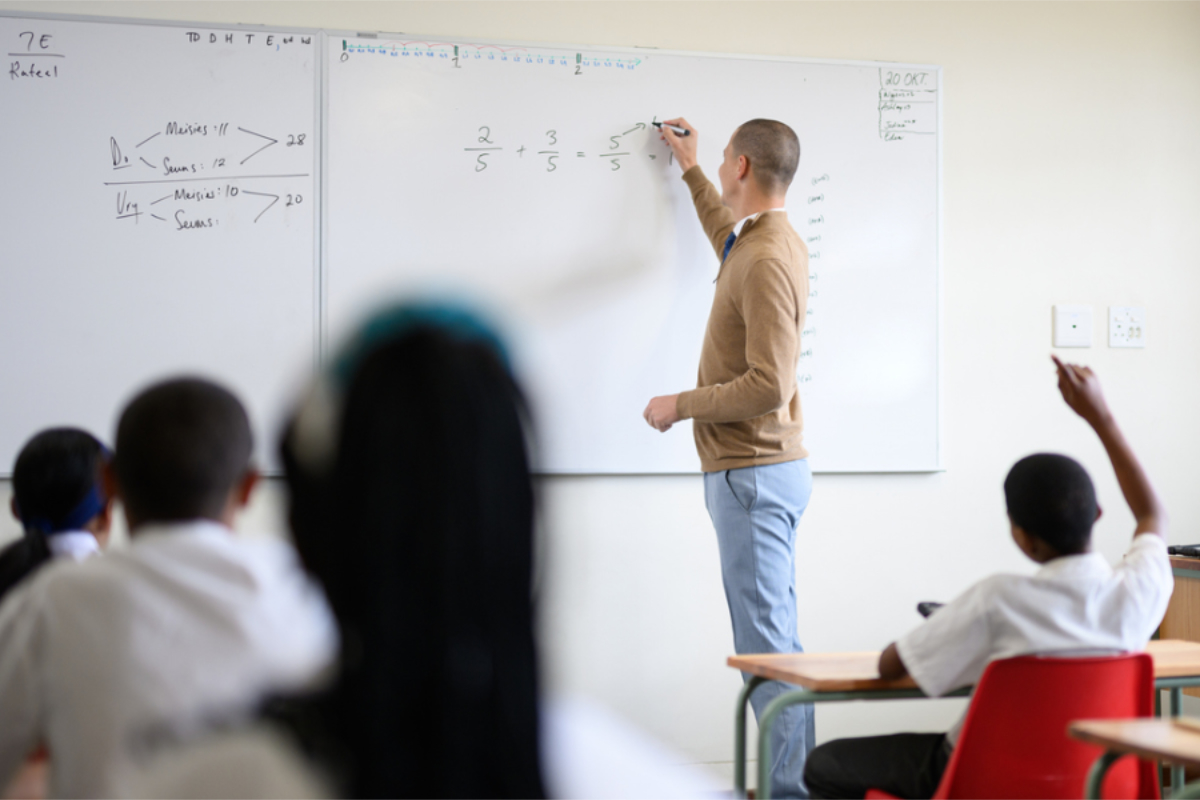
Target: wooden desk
x=838 y=677
x=1182 y=620
x=1154 y=739
x=859 y=672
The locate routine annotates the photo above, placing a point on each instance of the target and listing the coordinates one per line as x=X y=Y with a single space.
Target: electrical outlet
x=1126 y=326
x=1072 y=326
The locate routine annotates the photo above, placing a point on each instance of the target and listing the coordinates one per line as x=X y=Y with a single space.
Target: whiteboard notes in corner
x=160 y=219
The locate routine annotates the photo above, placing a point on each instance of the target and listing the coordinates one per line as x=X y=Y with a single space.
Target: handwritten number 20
x=294 y=199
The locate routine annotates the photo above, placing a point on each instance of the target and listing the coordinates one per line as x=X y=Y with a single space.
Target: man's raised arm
x=715 y=217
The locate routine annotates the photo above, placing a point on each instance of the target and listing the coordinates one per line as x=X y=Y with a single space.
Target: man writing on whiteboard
x=746 y=406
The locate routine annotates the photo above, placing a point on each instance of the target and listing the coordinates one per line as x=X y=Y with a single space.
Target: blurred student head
x=57 y=490
x=411 y=501
x=1051 y=498
x=183 y=452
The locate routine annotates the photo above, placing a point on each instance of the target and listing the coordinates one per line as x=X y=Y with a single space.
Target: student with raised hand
x=1075 y=602
x=59 y=498
x=104 y=661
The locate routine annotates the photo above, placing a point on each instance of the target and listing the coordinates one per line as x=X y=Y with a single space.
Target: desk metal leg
x=773 y=710
x=739 y=735
x=1189 y=792
x=1176 y=710
x=1095 y=778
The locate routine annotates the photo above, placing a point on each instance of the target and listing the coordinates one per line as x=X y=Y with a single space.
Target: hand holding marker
x=675 y=129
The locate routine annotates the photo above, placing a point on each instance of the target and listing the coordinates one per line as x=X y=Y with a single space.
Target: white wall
x=1071 y=175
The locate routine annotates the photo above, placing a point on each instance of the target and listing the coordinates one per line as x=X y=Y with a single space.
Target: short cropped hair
x=182 y=446
x=1051 y=497
x=54 y=472
x=773 y=150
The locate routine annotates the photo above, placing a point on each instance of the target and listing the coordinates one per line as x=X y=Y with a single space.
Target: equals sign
x=579 y=154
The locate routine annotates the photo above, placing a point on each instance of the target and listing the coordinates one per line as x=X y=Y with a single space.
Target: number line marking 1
x=214 y=178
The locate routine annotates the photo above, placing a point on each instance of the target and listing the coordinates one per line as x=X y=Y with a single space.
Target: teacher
x=746 y=405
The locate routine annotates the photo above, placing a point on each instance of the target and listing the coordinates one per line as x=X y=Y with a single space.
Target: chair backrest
x=1014 y=741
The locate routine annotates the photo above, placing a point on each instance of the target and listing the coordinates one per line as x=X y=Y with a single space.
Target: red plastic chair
x=1014 y=741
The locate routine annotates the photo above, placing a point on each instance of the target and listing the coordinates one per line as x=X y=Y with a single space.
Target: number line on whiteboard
x=215 y=178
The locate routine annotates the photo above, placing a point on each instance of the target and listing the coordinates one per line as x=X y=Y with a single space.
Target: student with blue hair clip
x=59 y=498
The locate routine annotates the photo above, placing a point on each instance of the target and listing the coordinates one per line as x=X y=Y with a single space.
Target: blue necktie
x=728 y=246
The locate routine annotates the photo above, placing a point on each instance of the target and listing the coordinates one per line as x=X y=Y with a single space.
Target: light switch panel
x=1126 y=326
x=1072 y=326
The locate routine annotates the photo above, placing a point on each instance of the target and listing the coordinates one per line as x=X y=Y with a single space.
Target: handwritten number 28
x=295 y=139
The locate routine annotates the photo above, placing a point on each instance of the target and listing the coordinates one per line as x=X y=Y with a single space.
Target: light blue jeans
x=755 y=511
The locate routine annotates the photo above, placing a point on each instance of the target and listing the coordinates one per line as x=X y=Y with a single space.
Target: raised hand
x=1081 y=389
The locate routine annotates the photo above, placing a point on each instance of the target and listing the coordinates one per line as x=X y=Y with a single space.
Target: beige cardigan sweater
x=746 y=404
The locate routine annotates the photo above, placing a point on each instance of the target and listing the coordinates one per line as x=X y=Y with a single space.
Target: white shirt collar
x=741 y=223
x=1078 y=565
x=191 y=527
x=75 y=545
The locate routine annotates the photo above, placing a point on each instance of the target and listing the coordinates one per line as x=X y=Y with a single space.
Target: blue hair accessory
x=91 y=505
x=453 y=320
x=314 y=434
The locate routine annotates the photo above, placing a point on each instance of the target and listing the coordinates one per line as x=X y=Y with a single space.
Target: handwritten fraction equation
x=907 y=103
x=548 y=151
x=176 y=175
x=456 y=56
x=36 y=54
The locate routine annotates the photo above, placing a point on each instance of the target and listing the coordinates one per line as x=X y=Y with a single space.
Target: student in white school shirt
x=60 y=502
x=187 y=623
x=1075 y=603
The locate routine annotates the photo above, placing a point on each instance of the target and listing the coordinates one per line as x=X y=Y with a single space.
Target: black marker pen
x=678 y=131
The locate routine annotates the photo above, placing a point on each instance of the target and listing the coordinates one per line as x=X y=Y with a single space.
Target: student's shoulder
x=984 y=596
x=1147 y=554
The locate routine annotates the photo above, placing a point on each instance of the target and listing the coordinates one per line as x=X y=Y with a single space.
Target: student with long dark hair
x=411 y=500
x=412 y=504
x=59 y=498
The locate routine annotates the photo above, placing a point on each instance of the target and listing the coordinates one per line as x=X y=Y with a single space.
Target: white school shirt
x=586 y=751
x=189 y=621
x=73 y=545
x=1074 y=605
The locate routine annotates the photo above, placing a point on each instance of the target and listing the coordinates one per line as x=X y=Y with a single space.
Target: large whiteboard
x=525 y=175
x=158 y=216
